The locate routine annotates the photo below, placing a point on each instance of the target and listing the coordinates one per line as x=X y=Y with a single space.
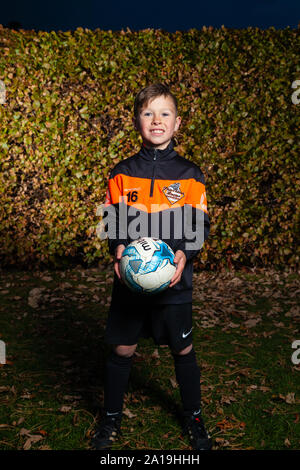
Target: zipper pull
x=155 y=153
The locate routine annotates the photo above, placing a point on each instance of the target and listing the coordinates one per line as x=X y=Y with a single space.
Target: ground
x=51 y=386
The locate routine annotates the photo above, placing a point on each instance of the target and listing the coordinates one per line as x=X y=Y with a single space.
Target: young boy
x=157 y=179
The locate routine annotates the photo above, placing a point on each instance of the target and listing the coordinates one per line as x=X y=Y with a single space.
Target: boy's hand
x=118 y=255
x=180 y=260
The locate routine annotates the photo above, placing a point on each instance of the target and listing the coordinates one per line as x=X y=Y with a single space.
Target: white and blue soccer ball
x=147 y=265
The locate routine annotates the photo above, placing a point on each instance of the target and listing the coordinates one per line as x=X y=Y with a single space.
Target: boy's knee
x=125 y=351
x=184 y=351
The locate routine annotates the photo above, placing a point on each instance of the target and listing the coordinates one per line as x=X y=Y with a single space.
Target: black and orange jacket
x=144 y=186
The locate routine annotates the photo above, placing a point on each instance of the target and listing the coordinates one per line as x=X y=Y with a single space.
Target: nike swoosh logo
x=184 y=335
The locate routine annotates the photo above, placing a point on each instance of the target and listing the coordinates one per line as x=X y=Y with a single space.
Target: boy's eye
x=148 y=113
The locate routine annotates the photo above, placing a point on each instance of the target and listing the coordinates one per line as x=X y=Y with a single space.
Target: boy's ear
x=178 y=122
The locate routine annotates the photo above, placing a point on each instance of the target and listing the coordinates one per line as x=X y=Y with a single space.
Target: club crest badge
x=173 y=192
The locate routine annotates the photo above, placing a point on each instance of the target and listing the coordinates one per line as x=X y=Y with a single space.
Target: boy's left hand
x=180 y=260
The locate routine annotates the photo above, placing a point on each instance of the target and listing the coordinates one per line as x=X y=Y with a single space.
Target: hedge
x=66 y=122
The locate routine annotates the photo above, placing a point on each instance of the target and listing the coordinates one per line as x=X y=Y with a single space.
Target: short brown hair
x=150 y=92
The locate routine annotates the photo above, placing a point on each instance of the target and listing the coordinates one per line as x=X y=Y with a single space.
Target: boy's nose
x=156 y=119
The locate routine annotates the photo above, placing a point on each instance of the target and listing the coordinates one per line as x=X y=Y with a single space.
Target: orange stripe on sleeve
x=197 y=195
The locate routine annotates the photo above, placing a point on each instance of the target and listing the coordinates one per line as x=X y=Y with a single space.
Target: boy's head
x=155 y=115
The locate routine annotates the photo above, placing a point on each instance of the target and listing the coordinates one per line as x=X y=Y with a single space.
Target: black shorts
x=169 y=324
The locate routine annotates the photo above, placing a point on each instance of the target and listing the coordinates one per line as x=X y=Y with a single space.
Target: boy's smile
x=158 y=122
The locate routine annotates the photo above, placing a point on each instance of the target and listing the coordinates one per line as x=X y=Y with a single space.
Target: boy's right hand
x=118 y=255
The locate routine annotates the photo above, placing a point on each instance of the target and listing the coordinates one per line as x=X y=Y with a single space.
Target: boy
x=155 y=178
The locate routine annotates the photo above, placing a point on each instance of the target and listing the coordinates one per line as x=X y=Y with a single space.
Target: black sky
x=168 y=15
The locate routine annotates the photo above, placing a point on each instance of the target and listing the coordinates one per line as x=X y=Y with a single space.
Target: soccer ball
x=147 y=265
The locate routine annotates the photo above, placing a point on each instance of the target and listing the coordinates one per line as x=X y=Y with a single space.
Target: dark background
x=168 y=15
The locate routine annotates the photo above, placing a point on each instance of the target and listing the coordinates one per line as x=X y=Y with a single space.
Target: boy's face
x=157 y=122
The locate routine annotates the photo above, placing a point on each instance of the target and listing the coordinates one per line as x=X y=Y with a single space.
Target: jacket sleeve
x=195 y=218
x=116 y=207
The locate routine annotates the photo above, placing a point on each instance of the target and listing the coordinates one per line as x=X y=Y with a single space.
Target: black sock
x=188 y=377
x=117 y=371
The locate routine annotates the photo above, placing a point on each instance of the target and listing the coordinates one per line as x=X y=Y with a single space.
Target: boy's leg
x=188 y=378
x=123 y=328
x=117 y=371
x=173 y=323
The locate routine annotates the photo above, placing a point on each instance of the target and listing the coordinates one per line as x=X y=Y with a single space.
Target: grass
x=51 y=387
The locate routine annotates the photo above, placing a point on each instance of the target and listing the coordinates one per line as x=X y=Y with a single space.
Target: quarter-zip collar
x=153 y=156
x=151 y=153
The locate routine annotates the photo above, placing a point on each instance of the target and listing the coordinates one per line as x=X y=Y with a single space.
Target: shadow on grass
x=142 y=382
x=69 y=345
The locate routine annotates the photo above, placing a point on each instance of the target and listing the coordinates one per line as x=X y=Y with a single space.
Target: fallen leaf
x=227 y=400
x=128 y=413
x=173 y=382
x=252 y=322
x=72 y=397
x=224 y=424
x=47 y=278
x=222 y=442
x=233 y=325
x=155 y=354
x=65 y=408
x=290 y=398
x=287 y=442
x=34 y=296
x=264 y=389
x=31 y=439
